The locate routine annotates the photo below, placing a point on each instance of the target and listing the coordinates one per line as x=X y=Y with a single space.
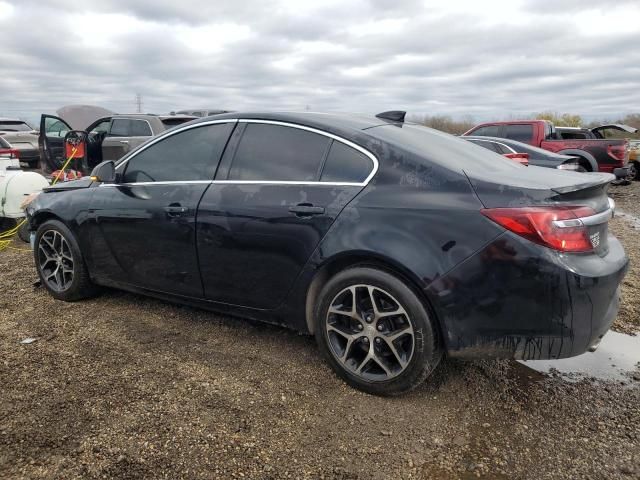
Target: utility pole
x=138 y=103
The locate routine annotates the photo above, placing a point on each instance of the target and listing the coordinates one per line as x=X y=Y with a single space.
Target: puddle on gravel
x=616 y=359
x=632 y=219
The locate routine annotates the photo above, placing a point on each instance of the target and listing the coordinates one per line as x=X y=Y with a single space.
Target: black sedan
x=392 y=243
x=536 y=156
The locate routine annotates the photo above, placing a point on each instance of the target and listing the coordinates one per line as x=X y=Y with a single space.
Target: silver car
x=23 y=138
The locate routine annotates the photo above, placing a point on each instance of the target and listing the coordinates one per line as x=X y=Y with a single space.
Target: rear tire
x=386 y=349
x=636 y=168
x=60 y=264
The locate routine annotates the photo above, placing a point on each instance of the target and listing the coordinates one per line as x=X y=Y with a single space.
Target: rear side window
x=346 y=164
x=521 y=133
x=488 y=145
x=278 y=153
x=189 y=155
x=488 y=131
x=140 y=128
x=120 y=127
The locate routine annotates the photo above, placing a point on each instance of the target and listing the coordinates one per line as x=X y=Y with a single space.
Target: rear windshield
x=15 y=126
x=449 y=151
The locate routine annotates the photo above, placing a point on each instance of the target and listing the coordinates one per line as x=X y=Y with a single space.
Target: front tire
x=375 y=332
x=60 y=264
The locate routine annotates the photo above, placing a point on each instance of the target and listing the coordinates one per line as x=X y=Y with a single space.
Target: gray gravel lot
x=128 y=387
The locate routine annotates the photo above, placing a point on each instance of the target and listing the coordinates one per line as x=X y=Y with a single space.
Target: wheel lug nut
x=368 y=318
x=360 y=327
x=380 y=327
x=378 y=340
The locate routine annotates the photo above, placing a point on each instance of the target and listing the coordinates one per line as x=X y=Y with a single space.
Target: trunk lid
x=537 y=186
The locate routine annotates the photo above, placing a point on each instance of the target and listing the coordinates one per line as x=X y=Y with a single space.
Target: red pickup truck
x=595 y=155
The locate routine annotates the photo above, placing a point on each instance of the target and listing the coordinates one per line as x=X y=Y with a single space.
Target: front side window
x=346 y=164
x=185 y=156
x=140 y=128
x=278 y=153
x=55 y=128
x=521 y=132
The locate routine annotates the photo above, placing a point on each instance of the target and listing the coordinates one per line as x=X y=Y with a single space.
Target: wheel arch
x=42 y=216
x=346 y=260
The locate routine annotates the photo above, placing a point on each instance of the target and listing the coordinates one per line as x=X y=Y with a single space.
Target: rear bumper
x=515 y=299
x=621 y=172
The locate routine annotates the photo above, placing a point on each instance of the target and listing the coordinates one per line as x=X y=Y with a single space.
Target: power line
x=138 y=103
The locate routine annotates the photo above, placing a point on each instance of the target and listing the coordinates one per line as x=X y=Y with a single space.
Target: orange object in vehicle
x=74 y=144
x=66 y=176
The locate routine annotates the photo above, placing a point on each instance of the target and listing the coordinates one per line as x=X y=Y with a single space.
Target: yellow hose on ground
x=7 y=235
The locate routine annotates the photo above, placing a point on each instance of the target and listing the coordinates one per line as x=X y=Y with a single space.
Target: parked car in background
x=601 y=132
x=594 y=154
x=536 y=156
x=634 y=156
x=392 y=245
x=7 y=152
x=23 y=138
x=108 y=138
x=202 y=112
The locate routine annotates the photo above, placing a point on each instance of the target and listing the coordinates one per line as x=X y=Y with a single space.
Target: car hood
x=80 y=117
x=84 y=182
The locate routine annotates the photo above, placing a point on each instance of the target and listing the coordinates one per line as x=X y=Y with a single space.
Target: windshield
x=15 y=126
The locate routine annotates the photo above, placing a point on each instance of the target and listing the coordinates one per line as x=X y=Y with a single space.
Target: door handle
x=306 y=209
x=175 y=210
x=126 y=142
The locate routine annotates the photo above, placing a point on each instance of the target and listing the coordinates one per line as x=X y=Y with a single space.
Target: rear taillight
x=560 y=228
x=521 y=158
x=9 y=153
x=619 y=152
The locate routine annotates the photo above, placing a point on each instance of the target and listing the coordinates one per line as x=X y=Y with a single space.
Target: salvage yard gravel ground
x=124 y=386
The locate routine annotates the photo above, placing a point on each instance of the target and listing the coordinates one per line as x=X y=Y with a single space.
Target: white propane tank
x=15 y=186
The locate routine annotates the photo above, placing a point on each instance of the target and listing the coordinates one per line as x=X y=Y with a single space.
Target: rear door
x=51 y=141
x=124 y=135
x=277 y=192
x=144 y=226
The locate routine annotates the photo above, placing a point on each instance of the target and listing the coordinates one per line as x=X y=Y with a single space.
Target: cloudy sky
x=488 y=60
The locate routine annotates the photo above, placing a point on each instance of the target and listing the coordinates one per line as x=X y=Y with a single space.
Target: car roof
x=8 y=119
x=337 y=123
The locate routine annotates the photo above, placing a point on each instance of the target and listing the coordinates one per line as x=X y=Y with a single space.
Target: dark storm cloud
x=358 y=56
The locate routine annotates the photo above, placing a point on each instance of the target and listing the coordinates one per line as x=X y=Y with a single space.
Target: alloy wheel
x=55 y=260
x=370 y=333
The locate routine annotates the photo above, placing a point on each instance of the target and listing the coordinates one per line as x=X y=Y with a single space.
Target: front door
x=143 y=231
x=51 y=141
x=275 y=197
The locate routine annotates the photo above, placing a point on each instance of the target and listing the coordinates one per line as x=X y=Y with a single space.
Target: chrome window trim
x=494 y=141
x=362 y=150
x=161 y=137
x=591 y=220
x=170 y=133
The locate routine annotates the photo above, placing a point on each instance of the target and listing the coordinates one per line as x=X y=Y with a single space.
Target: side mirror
x=104 y=172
